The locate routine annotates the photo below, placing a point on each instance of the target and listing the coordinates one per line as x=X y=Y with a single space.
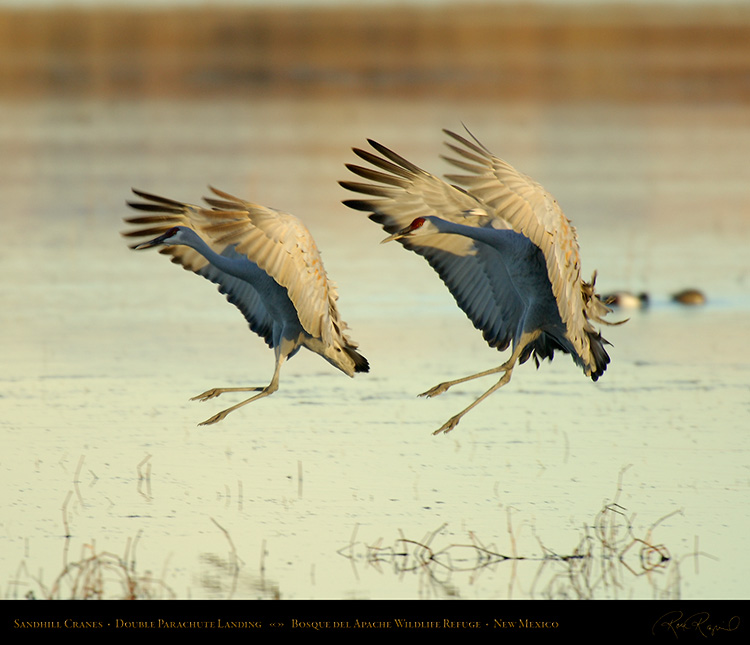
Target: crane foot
x=448 y=425
x=215 y=419
x=437 y=390
x=208 y=394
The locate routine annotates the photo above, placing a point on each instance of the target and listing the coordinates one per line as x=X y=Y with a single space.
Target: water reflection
x=606 y=563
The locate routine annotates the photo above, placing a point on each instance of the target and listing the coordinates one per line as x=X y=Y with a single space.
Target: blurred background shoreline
x=598 y=52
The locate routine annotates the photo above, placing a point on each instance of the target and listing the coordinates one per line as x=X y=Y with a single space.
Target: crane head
x=415 y=225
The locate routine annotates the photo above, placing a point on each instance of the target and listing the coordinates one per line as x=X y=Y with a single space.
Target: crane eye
x=419 y=221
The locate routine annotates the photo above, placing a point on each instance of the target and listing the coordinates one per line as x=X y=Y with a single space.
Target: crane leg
x=262 y=391
x=443 y=387
x=506 y=367
x=453 y=421
x=265 y=391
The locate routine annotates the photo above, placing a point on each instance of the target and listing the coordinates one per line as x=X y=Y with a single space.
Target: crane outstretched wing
x=475 y=274
x=277 y=242
x=170 y=213
x=531 y=210
x=281 y=245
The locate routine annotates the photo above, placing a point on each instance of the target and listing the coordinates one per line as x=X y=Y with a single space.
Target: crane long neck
x=238 y=266
x=488 y=236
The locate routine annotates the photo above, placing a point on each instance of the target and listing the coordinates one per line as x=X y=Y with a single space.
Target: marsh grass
x=96 y=575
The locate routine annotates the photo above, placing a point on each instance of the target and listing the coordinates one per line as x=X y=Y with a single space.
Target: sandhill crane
x=502 y=246
x=267 y=264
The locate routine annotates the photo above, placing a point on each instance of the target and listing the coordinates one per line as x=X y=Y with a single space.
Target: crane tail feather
x=360 y=362
x=600 y=358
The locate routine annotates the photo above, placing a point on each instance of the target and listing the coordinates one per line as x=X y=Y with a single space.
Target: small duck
x=627 y=300
x=690 y=297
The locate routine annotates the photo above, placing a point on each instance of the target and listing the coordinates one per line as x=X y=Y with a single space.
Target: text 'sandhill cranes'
x=268 y=266
x=502 y=246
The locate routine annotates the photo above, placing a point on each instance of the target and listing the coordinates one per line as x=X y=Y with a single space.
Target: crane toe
x=208 y=394
x=437 y=390
x=216 y=418
x=218 y=391
x=448 y=425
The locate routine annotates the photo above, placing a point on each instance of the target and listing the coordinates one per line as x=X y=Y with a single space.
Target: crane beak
x=404 y=232
x=155 y=242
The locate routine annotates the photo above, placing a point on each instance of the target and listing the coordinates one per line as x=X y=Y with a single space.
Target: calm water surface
x=336 y=488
